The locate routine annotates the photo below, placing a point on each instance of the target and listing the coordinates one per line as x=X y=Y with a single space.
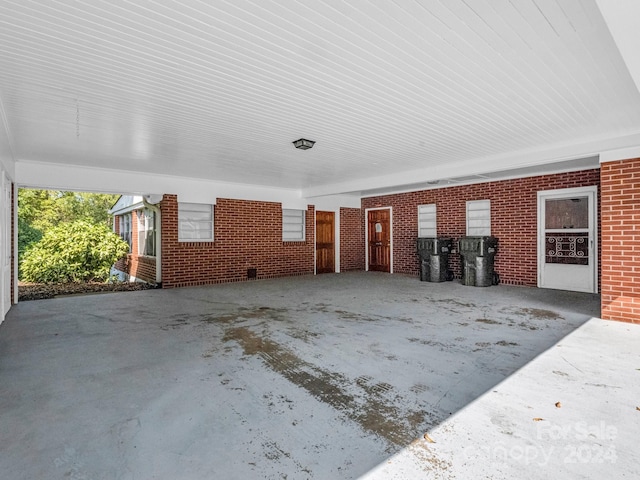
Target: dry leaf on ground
x=429 y=439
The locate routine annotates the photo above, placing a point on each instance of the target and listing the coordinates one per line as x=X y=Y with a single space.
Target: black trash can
x=434 y=258
x=478 y=254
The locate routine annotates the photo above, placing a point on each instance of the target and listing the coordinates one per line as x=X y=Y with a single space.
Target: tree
x=43 y=209
x=73 y=252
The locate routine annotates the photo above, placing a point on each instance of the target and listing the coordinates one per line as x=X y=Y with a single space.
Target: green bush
x=27 y=236
x=73 y=252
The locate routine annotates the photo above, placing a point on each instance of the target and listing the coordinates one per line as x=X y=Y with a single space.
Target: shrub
x=73 y=252
x=27 y=236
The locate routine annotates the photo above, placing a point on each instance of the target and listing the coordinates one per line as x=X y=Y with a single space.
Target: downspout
x=150 y=202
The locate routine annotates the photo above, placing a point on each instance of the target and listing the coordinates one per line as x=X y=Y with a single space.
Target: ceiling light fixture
x=303 y=144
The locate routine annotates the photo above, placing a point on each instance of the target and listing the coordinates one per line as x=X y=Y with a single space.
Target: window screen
x=195 y=222
x=479 y=218
x=292 y=225
x=427 y=220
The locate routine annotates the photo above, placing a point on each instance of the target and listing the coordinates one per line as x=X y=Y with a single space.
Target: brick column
x=351 y=239
x=620 y=237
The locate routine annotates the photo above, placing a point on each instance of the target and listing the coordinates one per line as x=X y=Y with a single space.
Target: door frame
x=592 y=193
x=6 y=243
x=366 y=236
x=336 y=229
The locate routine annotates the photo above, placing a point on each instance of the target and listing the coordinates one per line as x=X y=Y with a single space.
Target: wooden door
x=325 y=242
x=379 y=239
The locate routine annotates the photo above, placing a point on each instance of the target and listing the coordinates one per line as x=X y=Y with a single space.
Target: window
x=195 y=222
x=427 y=220
x=479 y=218
x=124 y=224
x=147 y=232
x=292 y=225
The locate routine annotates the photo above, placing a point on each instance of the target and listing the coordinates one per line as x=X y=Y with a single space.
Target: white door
x=567 y=239
x=5 y=254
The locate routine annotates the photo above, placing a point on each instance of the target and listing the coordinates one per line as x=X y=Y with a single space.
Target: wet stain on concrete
x=452 y=301
x=243 y=313
x=419 y=388
x=436 y=467
x=305 y=335
x=370 y=404
x=430 y=343
x=488 y=321
x=541 y=314
x=533 y=313
x=176 y=321
x=369 y=318
x=526 y=326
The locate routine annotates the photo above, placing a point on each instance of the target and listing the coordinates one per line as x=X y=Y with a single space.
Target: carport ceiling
x=390 y=91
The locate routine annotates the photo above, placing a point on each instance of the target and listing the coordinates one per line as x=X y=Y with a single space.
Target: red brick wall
x=620 y=211
x=141 y=267
x=513 y=220
x=351 y=240
x=247 y=234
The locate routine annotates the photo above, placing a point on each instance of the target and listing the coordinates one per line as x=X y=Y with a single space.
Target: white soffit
x=622 y=18
x=219 y=90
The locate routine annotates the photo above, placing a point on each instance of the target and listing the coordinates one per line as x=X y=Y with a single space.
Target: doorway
x=379 y=240
x=325 y=242
x=567 y=239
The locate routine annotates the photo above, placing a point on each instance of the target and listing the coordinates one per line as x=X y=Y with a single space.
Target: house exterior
x=136 y=224
x=230 y=240
x=438 y=128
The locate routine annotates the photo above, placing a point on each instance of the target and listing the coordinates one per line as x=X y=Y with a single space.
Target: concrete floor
x=326 y=377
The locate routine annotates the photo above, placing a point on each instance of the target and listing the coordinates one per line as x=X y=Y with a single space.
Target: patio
x=330 y=376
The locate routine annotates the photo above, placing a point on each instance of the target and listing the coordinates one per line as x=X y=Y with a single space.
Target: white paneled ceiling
x=219 y=89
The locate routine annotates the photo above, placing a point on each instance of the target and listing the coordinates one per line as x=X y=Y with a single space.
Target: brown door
x=379 y=238
x=325 y=242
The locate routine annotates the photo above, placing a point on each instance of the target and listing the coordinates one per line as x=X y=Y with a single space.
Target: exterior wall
x=14 y=267
x=247 y=235
x=513 y=220
x=351 y=240
x=620 y=210
x=138 y=266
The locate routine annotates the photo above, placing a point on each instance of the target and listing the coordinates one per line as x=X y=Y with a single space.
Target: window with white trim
x=427 y=220
x=293 y=225
x=124 y=228
x=195 y=222
x=146 y=232
x=479 y=218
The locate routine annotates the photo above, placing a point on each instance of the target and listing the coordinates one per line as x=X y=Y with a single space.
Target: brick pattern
x=620 y=211
x=351 y=240
x=141 y=267
x=247 y=234
x=513 y=220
